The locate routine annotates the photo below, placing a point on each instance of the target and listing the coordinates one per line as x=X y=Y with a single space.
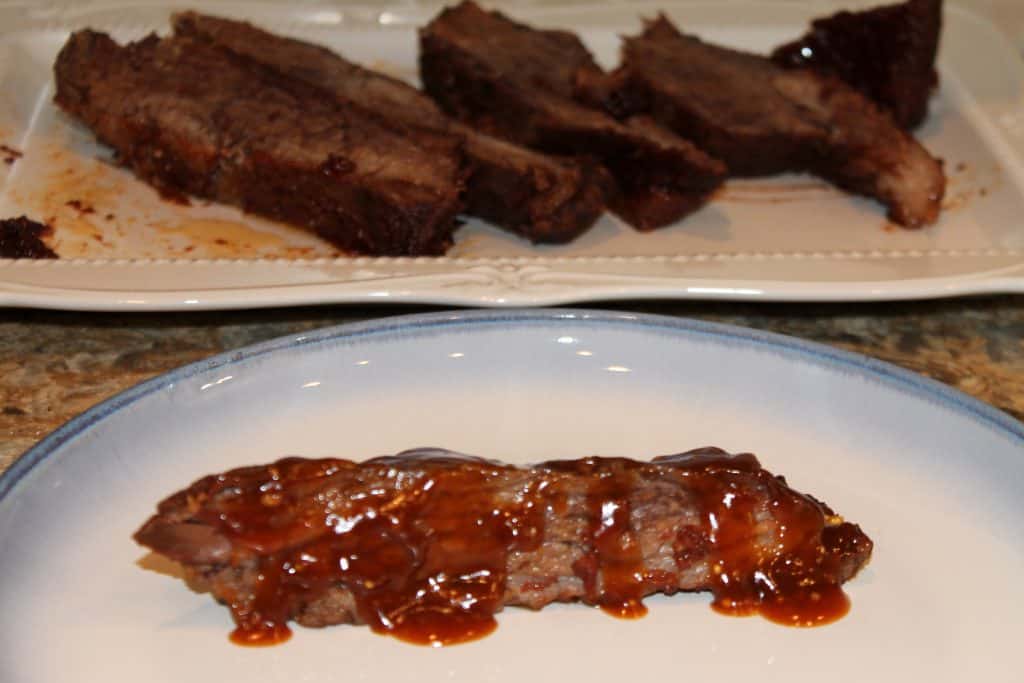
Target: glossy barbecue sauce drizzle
x=795 y=578
x=425 y=559
x=613 y=570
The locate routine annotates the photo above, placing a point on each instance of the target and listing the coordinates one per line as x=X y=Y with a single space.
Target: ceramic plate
x=932 y=476
x=790 y=237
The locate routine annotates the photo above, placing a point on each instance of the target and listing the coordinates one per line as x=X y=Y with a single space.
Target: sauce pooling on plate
x=428 y=545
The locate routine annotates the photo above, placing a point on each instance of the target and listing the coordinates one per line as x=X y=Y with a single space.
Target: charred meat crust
x=189 y=117
x=543 y=198
x=516 y=82
x=22 y=237
x=887 y=53
x=762 y=119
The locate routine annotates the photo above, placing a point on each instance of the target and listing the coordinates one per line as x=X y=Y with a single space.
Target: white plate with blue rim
x=931 y=475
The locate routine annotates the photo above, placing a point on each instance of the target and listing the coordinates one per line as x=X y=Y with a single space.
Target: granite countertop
x=54 y=365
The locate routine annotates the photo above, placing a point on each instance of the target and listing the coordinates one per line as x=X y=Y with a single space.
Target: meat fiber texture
x=194 y=119
x=887 y=53
x=763 y=119
x=543 y=198
x=516 y=82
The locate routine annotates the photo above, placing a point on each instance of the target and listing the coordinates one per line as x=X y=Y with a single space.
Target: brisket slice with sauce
x=516 y=82
x=540 y=197
x=887 y=53
x=763 y=119
x=192 y=118
x=428 y=544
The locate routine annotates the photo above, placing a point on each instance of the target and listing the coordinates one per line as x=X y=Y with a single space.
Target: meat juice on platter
x=428 y=545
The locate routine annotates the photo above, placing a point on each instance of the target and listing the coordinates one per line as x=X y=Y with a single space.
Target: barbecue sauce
x=613 y=571
x=421 y=542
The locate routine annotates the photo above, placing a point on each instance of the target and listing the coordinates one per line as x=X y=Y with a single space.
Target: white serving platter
x=786 y=238
x=932 y=476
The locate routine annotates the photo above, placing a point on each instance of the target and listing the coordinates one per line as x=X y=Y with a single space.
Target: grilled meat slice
x=540 y=197
x=887 y=53
x=192 y=118
x=517 y=82
x=429 y=542
x=762 y=119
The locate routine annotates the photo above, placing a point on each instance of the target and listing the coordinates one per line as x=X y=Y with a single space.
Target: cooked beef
x=23 y=238
x=543 y=198
x=190 y=117
x=762 y=119
x=428 y=544
x=517 y=82
x=887 y=53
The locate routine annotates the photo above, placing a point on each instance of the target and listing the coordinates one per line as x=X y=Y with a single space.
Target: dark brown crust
x=540 y=197
x=518 y=84
x=762 y=119
x=887 y=53
x=194 y=119
x=22 y=238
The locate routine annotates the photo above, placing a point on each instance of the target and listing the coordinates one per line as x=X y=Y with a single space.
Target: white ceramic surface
x=786 y=238
x=933 y=477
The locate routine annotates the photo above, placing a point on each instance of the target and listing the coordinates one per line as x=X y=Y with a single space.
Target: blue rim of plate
x=820 y=354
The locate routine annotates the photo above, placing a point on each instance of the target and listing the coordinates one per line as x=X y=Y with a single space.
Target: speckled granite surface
x=55 y=365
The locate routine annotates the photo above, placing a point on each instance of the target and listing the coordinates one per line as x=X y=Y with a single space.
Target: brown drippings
x=222 y=238
x=80 y=206
x=10 y=155
x=425 y=554
x=127 y=220
x=970 y=183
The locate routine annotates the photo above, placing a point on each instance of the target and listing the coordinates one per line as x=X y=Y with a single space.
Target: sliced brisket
x=541 y=197
x=887 y=53
x=193 y=118
x=761 y=119
x=428 y=544
x=516 y=82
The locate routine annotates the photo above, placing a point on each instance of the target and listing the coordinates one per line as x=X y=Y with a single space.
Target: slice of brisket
x=189 y=117
x=762 y=119
x=887 y=53
x=516 y=82
x=429 y=544
x=540 y=197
